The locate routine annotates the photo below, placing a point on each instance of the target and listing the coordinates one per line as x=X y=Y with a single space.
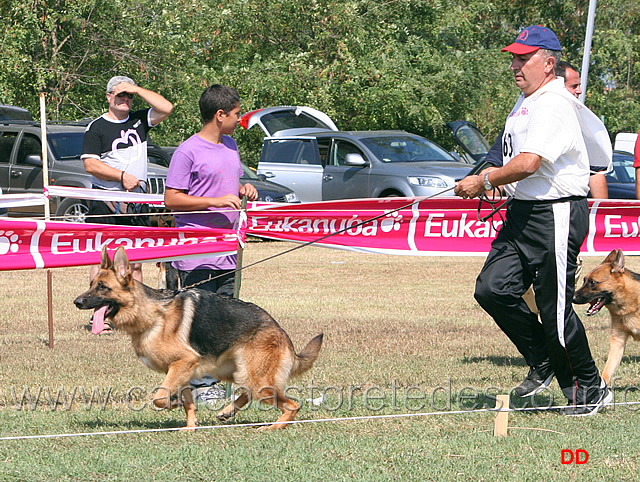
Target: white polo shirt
x=546 y=124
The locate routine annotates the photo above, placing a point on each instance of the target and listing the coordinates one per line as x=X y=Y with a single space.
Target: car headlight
x=292 y=197
x=428 y=181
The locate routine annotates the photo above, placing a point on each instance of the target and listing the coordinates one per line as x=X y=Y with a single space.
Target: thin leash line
x=317 y=240
x=308 y=421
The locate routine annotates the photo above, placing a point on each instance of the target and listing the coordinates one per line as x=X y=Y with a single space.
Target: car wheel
x=73 y=210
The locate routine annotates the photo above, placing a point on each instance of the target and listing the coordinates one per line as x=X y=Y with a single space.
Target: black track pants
x=539 y=244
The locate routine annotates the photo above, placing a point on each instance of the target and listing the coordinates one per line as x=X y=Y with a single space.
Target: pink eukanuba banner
x=399 y=226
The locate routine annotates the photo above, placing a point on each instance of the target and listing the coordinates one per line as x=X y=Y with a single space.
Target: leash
x=494 y=202
x=483 y=198
x=314 y=241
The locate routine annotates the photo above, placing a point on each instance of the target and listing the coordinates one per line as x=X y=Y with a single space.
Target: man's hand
x=129 y=181
x=470 y=187
x=161 y=107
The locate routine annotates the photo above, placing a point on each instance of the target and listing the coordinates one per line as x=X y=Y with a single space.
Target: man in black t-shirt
x=114 y=149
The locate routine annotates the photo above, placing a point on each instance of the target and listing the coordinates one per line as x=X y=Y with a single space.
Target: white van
x=625 y=141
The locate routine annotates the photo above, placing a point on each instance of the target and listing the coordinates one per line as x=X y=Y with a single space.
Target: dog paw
x=273 y=426
x=223 y=416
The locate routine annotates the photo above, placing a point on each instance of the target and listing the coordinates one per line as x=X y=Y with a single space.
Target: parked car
x=21 y=166
x=621 y=182
x=272 y=120
x=303 y=150
x=326 y=165
x=267 y=191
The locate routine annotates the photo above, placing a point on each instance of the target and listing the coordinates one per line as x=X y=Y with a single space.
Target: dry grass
x=382 y=316
x=388 y=321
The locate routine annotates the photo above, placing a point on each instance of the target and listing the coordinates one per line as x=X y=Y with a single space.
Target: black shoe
x=604 y=398
x=538 y=379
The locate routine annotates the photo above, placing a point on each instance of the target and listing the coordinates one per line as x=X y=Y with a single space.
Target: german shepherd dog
x=191 y=333
x=617 y=288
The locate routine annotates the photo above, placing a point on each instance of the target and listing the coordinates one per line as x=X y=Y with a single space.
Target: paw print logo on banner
x=8 y=242
x=391 y=222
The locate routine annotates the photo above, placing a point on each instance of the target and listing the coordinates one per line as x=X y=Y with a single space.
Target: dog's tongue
x=98 y=320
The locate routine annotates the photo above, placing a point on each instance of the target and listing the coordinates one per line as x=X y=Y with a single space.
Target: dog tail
x=306 y=358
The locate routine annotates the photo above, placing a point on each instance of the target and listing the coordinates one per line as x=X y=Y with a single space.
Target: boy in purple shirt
x=204 y=175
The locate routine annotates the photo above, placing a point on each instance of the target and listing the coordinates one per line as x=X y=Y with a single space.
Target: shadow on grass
x=500 y=361
x=104 y=425
x=117 y=425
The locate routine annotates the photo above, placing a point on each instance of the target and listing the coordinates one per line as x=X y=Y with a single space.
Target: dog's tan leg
x=231 y=409
x=178 y=376
x=189 y=406
x=277 y=398
x=530 y=299
x=616 y=350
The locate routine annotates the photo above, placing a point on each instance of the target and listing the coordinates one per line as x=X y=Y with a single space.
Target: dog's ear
x=121 y=266
x=617 y=266
x=105 y=262
x=611 y=257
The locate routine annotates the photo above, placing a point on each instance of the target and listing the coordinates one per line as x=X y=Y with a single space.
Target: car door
x=26 y=172
x=343 y=181
x=473 y=144
x=295 y=163
x=7 y=144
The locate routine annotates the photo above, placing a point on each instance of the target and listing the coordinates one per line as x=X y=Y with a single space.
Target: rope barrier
x=308 y=421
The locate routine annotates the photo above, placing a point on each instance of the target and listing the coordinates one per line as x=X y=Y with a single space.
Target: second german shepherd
x=191 y=333
x=617 y=288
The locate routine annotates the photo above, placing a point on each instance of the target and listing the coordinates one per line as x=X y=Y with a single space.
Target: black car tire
x=72 y=210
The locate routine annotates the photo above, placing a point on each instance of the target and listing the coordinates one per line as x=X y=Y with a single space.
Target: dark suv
x=21 y=166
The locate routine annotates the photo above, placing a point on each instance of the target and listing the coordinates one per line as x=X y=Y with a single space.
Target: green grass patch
x=403 y=335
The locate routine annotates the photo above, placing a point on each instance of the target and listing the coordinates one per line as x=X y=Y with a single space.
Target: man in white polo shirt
x=546 y=145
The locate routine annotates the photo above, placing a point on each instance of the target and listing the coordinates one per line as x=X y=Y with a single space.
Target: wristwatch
x=487 y=184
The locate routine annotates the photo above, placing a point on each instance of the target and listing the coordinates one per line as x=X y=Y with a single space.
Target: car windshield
x=623 y=170
x=66 y=145
x=405 y=149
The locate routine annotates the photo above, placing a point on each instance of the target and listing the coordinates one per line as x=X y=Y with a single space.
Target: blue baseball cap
x=534 y=38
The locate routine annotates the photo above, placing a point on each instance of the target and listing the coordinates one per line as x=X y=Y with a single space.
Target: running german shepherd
x=187 y=334
x=617 y=288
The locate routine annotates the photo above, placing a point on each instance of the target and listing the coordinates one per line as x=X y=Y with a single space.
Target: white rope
x=292 y=422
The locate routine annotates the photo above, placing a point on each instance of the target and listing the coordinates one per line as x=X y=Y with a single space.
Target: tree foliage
x=405 y=64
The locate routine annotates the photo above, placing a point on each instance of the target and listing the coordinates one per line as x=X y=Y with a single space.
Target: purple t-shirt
x=204 y=169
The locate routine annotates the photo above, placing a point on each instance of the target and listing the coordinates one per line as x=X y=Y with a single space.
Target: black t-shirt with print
x=119 y=144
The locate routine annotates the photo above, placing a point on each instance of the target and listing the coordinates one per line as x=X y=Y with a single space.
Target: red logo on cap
x=524 y=35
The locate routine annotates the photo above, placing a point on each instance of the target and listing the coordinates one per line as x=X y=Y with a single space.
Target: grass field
x=403 y=335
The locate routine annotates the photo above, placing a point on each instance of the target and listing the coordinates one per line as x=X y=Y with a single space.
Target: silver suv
x=326 y=165
x=21 y=166
x=306 y=152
